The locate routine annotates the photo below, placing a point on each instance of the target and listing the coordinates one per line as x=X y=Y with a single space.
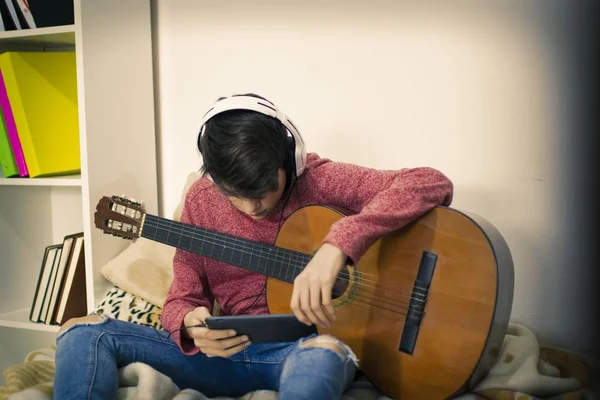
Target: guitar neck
x=275 y=262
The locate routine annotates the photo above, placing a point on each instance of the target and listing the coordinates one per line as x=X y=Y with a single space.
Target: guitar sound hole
x=341 y=283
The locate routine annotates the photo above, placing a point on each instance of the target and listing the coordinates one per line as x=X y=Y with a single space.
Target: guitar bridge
x=418 y=299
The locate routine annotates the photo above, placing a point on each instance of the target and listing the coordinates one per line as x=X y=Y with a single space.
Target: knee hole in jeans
x=326 y=342
x=93 y=319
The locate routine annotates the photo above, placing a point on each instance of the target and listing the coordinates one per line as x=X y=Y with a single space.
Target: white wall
x=471 y=91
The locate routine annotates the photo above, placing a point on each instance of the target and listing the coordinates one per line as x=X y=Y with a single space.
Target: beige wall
x=471 y=91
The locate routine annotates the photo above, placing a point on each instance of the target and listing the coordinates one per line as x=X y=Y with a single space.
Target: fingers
x=222 y=347
x=308 y=301
x=313 y=286
x=227 y=353
x=194 y=318
x=203 y=335
x=295 y=305
x=327 y=303
x=306 y=307
x=218 y=334
x=315 y=306
x=218 y=342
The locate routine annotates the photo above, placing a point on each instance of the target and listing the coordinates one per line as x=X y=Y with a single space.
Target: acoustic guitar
x=425 y=309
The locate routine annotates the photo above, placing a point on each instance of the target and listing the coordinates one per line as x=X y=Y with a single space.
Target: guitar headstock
x=119 y=216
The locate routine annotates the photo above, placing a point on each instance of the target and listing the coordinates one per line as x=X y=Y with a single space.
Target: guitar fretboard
x=275 y=262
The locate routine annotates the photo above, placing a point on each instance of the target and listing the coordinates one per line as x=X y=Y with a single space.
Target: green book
x=7 y=160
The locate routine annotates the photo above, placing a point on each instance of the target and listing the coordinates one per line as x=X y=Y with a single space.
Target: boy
x=256 y=173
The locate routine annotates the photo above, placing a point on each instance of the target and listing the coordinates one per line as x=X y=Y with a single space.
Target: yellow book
x=42 y=89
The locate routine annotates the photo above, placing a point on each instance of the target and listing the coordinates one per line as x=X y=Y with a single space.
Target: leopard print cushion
x=122 y=305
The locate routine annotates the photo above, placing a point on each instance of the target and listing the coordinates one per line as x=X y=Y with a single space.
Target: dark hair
x=243 y=150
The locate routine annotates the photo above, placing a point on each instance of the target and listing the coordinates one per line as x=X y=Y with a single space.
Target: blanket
x=32 y=380
x=524 y=371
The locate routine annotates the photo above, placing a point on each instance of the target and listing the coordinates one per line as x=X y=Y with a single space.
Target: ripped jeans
x=88 y=357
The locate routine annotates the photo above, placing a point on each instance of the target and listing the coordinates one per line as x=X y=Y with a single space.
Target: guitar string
x=163 y=222
x=363 y=300
x=224 y=238
x=384 y=300
x=415 y=297
x=358 y=298
x=287 y=265
x=403 y=311
x=220 y=236
x=282 y=260
x=375 y=302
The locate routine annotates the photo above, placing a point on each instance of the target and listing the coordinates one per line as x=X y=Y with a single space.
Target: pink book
x=11 y=130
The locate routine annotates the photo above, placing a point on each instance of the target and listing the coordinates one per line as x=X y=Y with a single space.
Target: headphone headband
x=264 y=107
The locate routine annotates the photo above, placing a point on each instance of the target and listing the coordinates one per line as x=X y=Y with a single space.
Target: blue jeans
x=89 y=355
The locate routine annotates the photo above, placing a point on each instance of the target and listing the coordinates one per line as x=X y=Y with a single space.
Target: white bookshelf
x=20 y=319
x=54 y=35
x=74 y=180
x=112 y=40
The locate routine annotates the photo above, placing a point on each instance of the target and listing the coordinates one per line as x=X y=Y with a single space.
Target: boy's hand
x=313 y=287
x=213 y=343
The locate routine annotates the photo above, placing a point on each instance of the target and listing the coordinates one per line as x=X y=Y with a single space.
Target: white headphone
x=264 y=107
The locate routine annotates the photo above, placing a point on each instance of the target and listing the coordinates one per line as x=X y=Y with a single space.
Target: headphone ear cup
x=199 y=141
x=290 y=164
x=291 y=156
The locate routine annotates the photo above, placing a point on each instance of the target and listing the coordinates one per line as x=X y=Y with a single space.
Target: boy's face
x=259 y=209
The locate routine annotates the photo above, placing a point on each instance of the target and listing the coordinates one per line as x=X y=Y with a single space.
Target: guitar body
x=425 y=309
x=462 y=318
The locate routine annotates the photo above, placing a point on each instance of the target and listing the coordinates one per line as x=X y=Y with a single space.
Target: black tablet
x=266 y=328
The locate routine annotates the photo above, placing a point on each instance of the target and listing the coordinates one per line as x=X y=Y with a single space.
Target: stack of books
x=39 y=121
x=61 y=292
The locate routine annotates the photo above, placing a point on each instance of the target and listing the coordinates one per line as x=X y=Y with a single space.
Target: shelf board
x=71 y=180
x=20 y=319
x=54 y=35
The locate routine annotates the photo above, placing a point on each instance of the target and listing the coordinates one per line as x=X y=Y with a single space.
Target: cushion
x=144 y=269
x=124 y=306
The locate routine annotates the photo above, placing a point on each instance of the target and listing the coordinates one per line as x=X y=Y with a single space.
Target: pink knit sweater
x=383 y=200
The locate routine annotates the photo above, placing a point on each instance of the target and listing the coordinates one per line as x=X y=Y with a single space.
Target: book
x=42 y=90
x=7 y=161
x=52 y=13
x=11 y=130
x=57 y=277
x=73 y=294
x=51 y=255
x=25 y=13
x=9 y=15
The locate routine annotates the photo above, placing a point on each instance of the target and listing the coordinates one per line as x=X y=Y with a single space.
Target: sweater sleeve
x=189 y=288
x=383 y=201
